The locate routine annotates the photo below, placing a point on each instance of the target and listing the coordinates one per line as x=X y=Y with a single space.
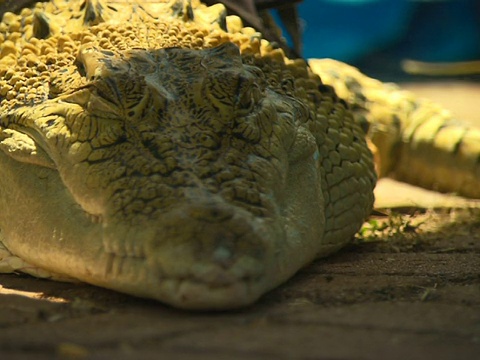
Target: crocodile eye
x=233 y=92
x=250 y=89
x=288 y=85
x=249 y=95
x=124 y=91
x=107 y=90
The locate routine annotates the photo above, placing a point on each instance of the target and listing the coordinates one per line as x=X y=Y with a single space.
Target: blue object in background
x=349 y=30
x=443 y=31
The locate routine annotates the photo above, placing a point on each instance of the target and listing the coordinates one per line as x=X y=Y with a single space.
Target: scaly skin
x=149 y=150
x=417 y=140
x=161 y=160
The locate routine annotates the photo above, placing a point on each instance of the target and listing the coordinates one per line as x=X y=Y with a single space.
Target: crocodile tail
x=414 y=140
x=439 y=152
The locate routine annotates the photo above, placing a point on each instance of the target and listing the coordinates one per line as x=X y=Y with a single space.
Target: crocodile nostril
x=223 y=256
x=210 y=212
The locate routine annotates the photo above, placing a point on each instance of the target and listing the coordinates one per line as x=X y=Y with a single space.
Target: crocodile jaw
x=200 y=253
x=207 y=255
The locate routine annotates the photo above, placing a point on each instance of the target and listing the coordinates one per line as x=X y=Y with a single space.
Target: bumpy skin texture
x=416 y=140
x=162 y=150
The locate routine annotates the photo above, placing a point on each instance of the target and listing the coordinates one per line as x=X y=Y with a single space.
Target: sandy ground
x=411 y=292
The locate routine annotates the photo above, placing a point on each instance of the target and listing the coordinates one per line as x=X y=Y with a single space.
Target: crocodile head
x=175 y=174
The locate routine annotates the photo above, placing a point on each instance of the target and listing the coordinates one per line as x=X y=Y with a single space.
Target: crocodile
x=164 y=150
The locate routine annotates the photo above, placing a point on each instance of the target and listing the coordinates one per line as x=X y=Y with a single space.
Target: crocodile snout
x=201 y=253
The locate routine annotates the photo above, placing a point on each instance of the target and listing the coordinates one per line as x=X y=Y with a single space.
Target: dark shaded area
x=14 y=5
x=254 y=13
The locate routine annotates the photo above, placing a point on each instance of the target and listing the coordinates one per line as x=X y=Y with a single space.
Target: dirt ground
x=411 y=292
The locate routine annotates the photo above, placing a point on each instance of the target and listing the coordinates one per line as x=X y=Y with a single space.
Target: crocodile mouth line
x=188 y=290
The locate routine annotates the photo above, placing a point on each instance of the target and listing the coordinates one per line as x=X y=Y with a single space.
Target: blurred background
x=377 y=35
